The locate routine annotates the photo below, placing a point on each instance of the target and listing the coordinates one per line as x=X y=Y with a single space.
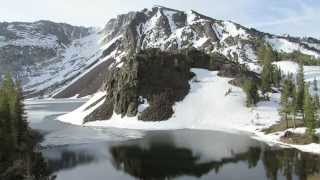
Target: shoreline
x=215 y=111
x=271 y=139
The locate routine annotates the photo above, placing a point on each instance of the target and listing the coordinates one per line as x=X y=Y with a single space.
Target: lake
x=87 y=153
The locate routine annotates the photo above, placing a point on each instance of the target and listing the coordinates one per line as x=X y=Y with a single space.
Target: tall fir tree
x=315 y=85
x=300 y=88
x=261 y=53
x=310 y=112
x=7 y=135
x=276 y=76
x=20 y=116
x=267 y=71
x=287 y=99
x=293 y=106
x=251 y=90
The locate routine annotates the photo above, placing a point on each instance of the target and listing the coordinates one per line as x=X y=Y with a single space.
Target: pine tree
x=300 y=88
x=261 y=53
x=317 y=101
x=251 y=91
x=287 y=99
x=315 y=85
x=267 y=71
x=9 y=93
x=309 y=112
x=293 y=105
x=20 y=116
x=276 y=76
x=16 y=143
x=7 y=144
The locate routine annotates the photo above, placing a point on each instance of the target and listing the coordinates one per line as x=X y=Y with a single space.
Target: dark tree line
x=19 y=159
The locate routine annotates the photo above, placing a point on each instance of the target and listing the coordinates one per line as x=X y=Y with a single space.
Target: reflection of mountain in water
x=167 y=161
x=69 y=159
x=163 y=155
x=162 y=162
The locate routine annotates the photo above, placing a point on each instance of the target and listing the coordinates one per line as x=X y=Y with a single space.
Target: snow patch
x=144 y=105
x=283 y=45
x=290 y=67
x=200 y=42
x=287 y=67
x=77 y=116
x=191 y=17
x=232 y=30
x=169 y=15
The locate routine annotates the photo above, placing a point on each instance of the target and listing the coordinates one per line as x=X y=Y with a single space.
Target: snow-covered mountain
x=61 y=60
x=170 y=29
x=43 y=53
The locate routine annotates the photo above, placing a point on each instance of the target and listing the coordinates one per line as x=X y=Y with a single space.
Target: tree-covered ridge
x=19 y=159
x=299 y=107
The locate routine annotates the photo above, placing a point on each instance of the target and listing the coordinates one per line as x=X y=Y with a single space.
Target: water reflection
x=182 y=155
x=70 y=159
x=158 y=162
x=290 y=163
x=167 y=162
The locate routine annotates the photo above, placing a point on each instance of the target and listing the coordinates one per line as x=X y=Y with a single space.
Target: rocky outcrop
x=160 y=78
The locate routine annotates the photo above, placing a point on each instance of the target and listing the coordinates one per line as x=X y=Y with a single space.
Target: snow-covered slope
x=49 y=56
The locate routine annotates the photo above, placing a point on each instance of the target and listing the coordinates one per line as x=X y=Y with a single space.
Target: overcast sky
x=295 y=17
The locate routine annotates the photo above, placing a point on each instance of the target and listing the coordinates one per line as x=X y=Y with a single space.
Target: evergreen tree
x=261 y=53
x=293 y=105
x=317 y=101
x=310 y=112
x=7 y=135
x=18 y=159
x=315 y=85
x=267 y=74
x=287 y=99
x=20 y=116
x=300 y=88
x=9 y=95
x=251 y=91
x=276 y=77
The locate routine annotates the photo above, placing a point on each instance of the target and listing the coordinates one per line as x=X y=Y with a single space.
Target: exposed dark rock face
x=160 y=77
x=14 y=58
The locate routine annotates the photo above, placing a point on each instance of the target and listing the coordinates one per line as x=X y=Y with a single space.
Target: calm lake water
x=83 y=153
